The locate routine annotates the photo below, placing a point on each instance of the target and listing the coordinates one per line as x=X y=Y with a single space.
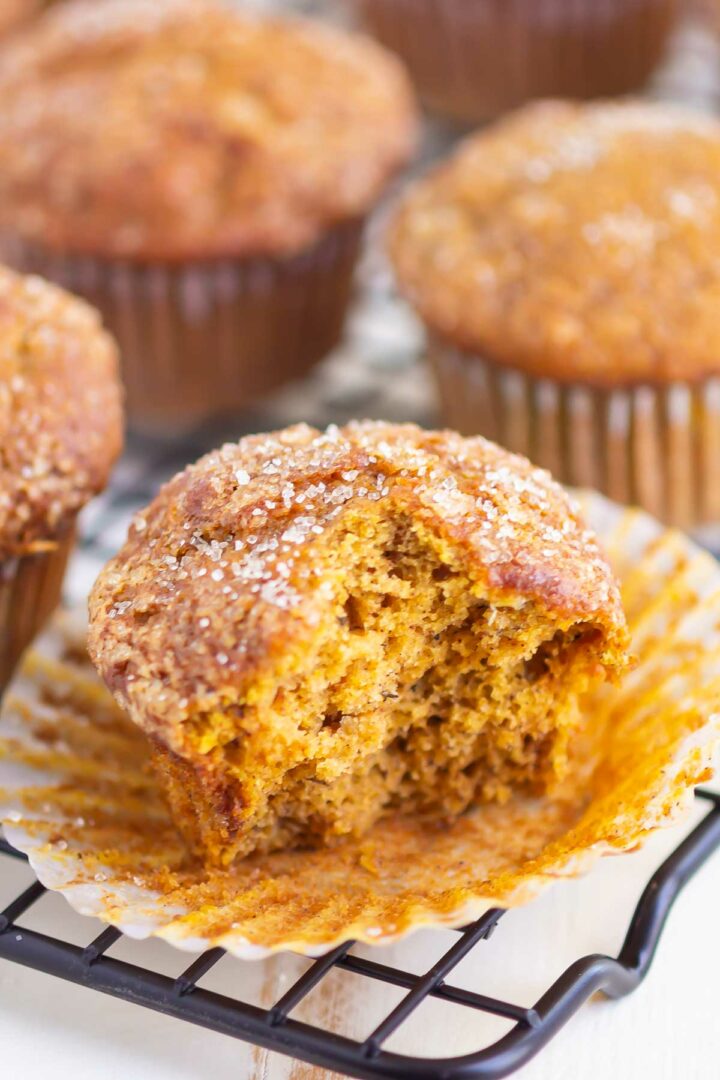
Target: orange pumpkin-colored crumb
x=316 y=629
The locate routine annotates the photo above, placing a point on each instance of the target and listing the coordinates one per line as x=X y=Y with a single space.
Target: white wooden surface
x=668 y=1030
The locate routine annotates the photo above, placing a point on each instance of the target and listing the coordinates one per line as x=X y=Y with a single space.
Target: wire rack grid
x=274 y=1028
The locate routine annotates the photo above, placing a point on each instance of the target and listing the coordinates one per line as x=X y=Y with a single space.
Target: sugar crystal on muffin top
x=190 y=128
x=572 y=241
x=60 y=410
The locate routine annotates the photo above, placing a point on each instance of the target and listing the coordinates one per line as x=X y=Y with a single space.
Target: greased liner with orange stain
x=79 y=798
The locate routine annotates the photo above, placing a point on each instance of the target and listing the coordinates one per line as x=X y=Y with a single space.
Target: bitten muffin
x=316 y=630
x=202 y=176
x=60 y=431
x=474 y=59
x=565 y=265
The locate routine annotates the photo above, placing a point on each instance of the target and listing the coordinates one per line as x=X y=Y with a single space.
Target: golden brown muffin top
x=60 y=410
x=574 y=241
x=184 y=128
x=223 y=572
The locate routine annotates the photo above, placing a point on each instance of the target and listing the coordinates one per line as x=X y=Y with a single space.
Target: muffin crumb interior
x=416 y=694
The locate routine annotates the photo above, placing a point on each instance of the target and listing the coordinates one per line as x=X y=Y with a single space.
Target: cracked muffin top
x=187 y=129
x=60 y=410
x=222 y=576
x=574 y=241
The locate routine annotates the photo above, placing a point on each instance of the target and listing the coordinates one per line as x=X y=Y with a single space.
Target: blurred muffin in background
x=474 y=59
x=60 y=432
x=202 y=176
x=566 y=266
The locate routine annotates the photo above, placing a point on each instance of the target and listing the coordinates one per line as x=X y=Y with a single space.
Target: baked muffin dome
x=191 y=129
x=60 y=411
x=316 y=629
x=576 y=242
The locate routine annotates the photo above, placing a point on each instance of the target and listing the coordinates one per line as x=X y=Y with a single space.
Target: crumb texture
x=574 y=241
x=60 y=410
x=189 y=128
x=317 y=629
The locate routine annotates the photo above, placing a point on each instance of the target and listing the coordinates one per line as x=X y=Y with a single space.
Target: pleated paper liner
x=475 y=59
x=653 y=446
x=206 y=337
x=79 y=798
x=30 y=590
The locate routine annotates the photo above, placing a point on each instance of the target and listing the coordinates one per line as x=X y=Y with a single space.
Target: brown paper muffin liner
x=30 y=590
x=653 y=446
x=474 y=59
x=78 y=796
x=203 y=338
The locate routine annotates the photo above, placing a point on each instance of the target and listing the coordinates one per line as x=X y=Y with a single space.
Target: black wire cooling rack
x=274 y=1029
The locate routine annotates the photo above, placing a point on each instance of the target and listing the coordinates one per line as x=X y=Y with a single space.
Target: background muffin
x=473 y=59
x=60 y=431
x=565 y=264
x=316 y=629
x=202 y=176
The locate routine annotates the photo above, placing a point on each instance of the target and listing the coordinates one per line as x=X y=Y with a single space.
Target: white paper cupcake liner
x=474 y=59
x=30 y=590
x=653 y=446
x=77 y=796
x=205 y=337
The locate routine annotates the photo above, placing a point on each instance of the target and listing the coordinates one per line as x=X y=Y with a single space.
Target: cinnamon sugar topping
x=60 y=410
x=227 y=566
x=191 y=129
x=577 y=242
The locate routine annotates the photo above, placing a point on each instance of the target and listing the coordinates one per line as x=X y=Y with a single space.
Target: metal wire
x=275 y=1029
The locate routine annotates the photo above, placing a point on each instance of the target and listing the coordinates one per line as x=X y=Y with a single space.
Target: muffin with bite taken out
x=317 y=629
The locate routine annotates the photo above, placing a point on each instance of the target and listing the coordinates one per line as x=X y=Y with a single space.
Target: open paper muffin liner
x=656 y=446
x=474 y=59
x=78 y=797
x=204 y=337
x=30 y=590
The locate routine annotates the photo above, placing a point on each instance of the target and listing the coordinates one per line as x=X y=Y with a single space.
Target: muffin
x=319 y=629
x=565 y=266
x=60 y=431
x=474 y=59
x=202 y=176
